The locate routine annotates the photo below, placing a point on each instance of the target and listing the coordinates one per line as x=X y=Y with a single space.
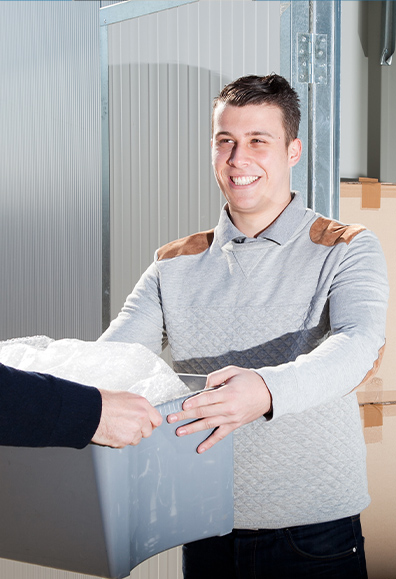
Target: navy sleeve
x=42 y=410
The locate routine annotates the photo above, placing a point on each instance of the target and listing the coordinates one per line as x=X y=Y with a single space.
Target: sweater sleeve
x=357 y=303
x=40 y=410
x=141 y=318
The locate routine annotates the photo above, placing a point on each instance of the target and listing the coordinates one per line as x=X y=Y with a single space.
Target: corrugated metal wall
x=165 y=69
x=16 y=570
x=50 y=170
x=164 y=566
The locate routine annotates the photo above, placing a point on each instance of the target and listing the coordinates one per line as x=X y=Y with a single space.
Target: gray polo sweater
x=304 y=304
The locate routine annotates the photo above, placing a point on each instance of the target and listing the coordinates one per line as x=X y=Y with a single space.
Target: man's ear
x=294 y=150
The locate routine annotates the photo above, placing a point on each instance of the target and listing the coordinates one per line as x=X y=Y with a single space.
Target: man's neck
x=252 y=225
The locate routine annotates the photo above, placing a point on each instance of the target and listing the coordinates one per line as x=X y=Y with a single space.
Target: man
x=41 y=410
x=296 y=303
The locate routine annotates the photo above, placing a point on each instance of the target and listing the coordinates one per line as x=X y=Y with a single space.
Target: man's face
x=250 y=158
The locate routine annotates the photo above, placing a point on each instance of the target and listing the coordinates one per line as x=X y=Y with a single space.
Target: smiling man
x=284 y=309
x=252 y=157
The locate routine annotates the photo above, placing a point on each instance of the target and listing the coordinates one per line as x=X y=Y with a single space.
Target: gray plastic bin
x=102 y=511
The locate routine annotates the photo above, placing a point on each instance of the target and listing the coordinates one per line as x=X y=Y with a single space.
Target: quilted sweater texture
x=304 y=304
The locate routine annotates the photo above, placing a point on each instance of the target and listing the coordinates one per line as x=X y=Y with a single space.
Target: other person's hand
x=126 y=419
x=233 y=396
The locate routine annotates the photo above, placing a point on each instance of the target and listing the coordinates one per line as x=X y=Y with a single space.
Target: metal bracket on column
x=388 y=32
x=312 y=58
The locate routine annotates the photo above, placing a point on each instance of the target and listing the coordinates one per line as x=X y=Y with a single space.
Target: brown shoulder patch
x=328 y=232
x=191 y=245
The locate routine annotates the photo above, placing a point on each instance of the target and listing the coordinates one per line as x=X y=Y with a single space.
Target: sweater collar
x=280 y=230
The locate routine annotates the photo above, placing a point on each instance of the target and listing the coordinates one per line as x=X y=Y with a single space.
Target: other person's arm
x=40 y=410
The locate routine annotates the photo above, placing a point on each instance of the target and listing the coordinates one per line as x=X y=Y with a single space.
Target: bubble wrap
x=108 y=365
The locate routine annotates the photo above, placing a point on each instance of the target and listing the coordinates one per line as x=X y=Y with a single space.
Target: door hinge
x=312 y=58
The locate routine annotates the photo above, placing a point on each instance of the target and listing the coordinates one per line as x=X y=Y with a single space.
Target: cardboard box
x=373 y=204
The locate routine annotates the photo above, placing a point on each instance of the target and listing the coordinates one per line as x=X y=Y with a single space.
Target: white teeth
x=243 y=180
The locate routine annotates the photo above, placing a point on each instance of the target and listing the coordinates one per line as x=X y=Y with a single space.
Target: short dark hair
x=270 y=90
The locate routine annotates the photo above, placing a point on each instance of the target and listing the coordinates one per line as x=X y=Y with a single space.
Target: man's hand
x=238 y=396
x=126 y=419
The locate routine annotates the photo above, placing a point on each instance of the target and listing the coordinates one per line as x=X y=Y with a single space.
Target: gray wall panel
x=50 y=186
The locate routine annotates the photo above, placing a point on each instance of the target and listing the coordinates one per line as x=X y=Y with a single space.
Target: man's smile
x=246 y=180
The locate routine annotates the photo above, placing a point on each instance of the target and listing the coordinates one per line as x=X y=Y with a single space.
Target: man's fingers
x=233 y=396
x=199 y=406
x=208 y=423
x=215 y=437
x=219 y=431
x=219 y=377
x=202 y=400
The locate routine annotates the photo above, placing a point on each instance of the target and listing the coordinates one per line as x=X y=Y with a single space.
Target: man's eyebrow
x=248 y=134
x=259 y=134
x=227 y=133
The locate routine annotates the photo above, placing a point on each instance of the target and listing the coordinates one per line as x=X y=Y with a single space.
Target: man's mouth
x=244 y=180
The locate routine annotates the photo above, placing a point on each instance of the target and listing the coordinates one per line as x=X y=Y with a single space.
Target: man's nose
x=239 y=156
